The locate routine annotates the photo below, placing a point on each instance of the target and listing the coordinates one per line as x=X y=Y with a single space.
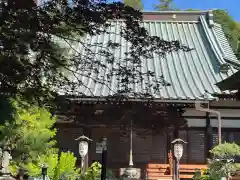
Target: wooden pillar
x=104 y=160
x=168 y=144
x=87 y=132
x=208 y=136
x=176 y=133
x=188 y=149
x=178 y=118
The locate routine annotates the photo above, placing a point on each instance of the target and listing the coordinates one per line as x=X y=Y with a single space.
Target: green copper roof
x=190 y=74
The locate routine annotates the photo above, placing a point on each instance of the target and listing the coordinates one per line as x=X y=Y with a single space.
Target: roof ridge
x=157 y=21
x=178 y=12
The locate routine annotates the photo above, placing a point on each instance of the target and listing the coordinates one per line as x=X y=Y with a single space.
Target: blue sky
x=232 y=6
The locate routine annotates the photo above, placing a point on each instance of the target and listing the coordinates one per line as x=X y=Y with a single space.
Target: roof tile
x=190 y=74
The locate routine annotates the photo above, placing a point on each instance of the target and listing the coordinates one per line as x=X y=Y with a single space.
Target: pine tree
x=136 y=4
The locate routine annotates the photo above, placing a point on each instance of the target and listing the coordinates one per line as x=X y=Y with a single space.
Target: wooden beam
x=208 y=136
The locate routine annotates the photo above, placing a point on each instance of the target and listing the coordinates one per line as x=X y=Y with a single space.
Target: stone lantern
x=178 y=152
x=83 y=148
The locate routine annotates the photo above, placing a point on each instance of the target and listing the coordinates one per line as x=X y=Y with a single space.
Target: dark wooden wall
x=146 y=148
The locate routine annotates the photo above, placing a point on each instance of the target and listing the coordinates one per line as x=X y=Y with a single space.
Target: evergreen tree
x=230 y=27
x=29 y=134
x=238 y=50
x=136 y=4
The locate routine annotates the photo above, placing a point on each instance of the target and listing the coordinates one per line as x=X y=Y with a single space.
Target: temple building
x=198 y=110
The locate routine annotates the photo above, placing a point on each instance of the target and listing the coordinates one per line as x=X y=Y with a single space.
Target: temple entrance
x=147 y=147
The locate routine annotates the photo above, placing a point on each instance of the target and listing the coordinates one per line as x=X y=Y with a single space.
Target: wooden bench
x=160 y=171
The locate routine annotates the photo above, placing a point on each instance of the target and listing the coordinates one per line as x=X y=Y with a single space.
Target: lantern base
x=131 y=173
x=6 y=177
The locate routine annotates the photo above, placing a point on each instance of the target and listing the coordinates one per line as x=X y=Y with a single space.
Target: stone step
x=164 y=177
x=152 y=166
x=156 y=170
x=156 y=174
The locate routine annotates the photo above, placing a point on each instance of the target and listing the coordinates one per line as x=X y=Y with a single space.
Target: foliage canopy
x=36 y=42
x=136 y=4
x=222 y=163
x=60 y=167
x=29 y=134
x=231 y=29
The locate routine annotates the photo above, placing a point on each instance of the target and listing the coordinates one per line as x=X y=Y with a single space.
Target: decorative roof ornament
x=174 y=16
x=208 y=96
x=224 y=68
x=210 y=19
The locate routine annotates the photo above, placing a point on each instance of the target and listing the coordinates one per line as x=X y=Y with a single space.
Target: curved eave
x=224 y=46
x=231 y=83
x=139 y=100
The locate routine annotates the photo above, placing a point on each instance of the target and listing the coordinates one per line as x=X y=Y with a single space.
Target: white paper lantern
x=178 y=151
x=83 y=148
